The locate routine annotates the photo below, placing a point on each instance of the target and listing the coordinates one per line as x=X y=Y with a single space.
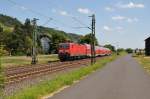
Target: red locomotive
x=69 y=51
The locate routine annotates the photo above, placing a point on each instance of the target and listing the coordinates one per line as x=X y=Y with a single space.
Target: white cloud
x=84 y=10
x=63 y=13
x=107 y=28
x=109 y=9
x=118 y=17
x=123 y=18
x=132 y=20
x=111 y=29
x=132 y=5
x=23 y=8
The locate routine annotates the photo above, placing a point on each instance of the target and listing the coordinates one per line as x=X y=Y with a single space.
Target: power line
x=77 y=20
x=40 y=14
x=28 y=9
x=47 y=21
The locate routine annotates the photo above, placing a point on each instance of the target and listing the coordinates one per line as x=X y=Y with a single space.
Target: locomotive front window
x=64 y=46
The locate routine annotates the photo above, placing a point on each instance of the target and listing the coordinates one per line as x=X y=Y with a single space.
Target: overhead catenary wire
x=40 y=14
x=79 y=21
x=28 y=9
x=75 y=19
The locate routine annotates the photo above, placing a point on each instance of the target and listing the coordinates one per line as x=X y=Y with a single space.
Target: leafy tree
x=87 y=39
x=56 y=39
x=28 y=28
x=17 y=38
x=28 y=45
x=111 y=47
x=129 y=50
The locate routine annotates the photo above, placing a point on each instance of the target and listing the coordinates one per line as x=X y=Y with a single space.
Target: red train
x=69 y=51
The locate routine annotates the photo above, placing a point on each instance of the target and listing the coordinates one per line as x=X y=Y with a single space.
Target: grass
x=144 y=61
x=9 y=61
x=50 y=86
x=1 y=77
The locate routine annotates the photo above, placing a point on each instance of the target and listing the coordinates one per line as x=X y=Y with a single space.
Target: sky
x=122 y=23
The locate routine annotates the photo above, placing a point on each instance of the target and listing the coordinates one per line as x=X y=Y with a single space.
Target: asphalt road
x=121 y=79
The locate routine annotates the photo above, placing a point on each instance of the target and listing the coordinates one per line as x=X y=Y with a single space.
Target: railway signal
x=34 y=40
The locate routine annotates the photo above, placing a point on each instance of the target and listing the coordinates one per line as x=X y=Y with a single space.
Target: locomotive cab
x=63 y=53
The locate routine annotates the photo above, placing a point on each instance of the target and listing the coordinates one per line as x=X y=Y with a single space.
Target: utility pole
x=34 y=40
x=93 y=58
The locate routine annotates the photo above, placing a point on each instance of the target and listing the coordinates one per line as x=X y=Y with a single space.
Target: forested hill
x=17 y=36
x=10 y=22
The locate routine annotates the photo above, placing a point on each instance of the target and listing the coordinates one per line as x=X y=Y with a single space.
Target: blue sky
x=118 y=22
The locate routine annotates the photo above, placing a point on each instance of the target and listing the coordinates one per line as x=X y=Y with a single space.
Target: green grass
x=9 y=61
x=144 y=61
x=1 y=76
x=47 y=87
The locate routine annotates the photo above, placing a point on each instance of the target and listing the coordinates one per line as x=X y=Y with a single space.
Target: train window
x=60 y=46
x=65 y=46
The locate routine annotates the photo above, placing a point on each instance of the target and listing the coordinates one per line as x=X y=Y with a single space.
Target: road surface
x=121 y=79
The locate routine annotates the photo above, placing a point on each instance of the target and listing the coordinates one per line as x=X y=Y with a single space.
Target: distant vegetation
x=129 y=50
x=111 y=47
x=87 y=39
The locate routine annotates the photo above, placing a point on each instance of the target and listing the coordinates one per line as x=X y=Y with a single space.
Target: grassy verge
x=47 y=87
x=144 y=61
x=9 y=61
x=1 y=74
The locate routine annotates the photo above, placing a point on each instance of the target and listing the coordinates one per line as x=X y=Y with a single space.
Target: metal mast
x=34 y=40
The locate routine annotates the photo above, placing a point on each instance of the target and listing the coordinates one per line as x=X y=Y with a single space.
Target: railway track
x=14 y=75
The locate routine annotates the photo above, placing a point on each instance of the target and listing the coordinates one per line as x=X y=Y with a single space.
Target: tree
x=17 y=40
x=129 y=50
x=87 y=39
x=28 y=28
x=56 y=39
x=28 y=45
x=111 y=47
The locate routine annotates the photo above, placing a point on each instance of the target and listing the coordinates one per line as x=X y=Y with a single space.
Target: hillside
x=9 y=23
x=75 y=37
x=17 y=36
